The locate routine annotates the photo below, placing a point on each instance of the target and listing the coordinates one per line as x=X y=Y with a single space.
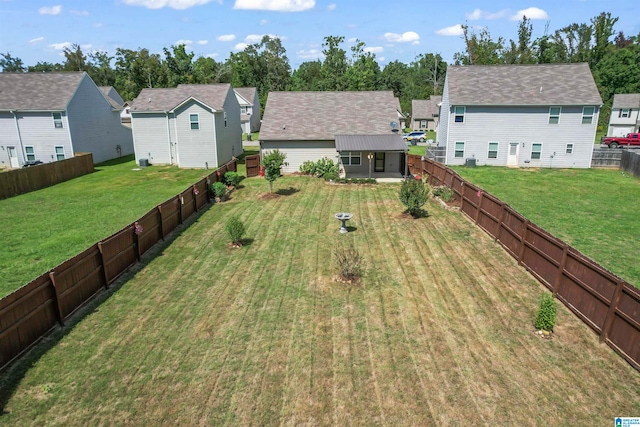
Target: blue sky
x=394 y=30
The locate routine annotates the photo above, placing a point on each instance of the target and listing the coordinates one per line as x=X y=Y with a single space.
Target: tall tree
x=100 y=68
x=602 y=33
x=574 y=43
x=207 y=70
x=76 y=60
x=364 y=71
x=9 y=64
x=308 y=76
x=179 y=65
x=137 y=69
x=335 y=64
x=45 y=67
x=480 y=48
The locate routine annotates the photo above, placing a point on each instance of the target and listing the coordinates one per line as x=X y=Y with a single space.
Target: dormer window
x=243 y=110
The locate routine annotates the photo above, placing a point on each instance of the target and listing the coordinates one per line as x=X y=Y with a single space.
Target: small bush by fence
x=606 y=303
x=32 y=311
x=20 y=181
x=630 y=162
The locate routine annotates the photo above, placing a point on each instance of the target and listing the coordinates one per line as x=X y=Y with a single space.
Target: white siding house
x=306 y=126
x=625 y=116
x=192 y=126
x=249 y=108
x=51 y=116
x=541 y=115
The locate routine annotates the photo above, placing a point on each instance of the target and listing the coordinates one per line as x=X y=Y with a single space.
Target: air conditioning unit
x=144 y=163
x=470 y=163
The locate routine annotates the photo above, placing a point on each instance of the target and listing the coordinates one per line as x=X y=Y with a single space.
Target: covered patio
x=372 y=156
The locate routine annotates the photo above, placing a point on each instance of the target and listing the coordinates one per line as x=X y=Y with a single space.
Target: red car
x=630 y=140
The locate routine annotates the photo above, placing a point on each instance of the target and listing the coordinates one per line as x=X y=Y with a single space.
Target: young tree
x=481 y=49
x=10 y=64
x=272 y=161
x=413 y=195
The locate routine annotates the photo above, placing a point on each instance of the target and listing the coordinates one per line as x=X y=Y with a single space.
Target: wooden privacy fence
x=606 y=157
x=253 y=165
x=630 y=162
x=609 y=305
x=35 y=309
x=20 y=181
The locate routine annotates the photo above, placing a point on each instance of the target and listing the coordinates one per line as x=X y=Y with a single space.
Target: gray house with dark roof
x=625 y=116
x=52 y=116
x=360 y=130
x=249 y=108
x=541 y=115
x=425 y=113
x=192 y=126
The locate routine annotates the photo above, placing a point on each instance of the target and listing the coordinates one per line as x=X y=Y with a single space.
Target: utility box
x=470 y=163
x=144 y=163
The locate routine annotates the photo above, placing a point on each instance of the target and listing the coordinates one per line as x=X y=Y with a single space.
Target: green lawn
x=45 y=227
x=594 y=210
x=439 y=331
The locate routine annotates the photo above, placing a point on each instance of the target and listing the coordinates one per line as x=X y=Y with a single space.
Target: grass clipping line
x=348 y=263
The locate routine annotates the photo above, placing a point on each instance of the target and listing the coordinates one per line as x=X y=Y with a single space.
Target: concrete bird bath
x=344 y=217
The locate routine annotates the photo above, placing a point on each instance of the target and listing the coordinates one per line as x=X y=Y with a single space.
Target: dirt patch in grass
x=269 y=196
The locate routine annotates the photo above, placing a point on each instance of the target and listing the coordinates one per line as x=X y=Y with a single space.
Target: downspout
x=169 y=138
x=69 y=132
x=15 y=116
x=175 y=143
x=596 y=116
x=446 y=143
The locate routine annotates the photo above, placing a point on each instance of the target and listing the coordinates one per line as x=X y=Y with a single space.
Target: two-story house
x=424 y=113
x=51 y=116
x=542 y=115
x=249 y=108
x=625 y=116
x=192 y=126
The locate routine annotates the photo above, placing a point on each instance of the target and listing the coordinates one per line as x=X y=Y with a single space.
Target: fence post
x=524 y=241
x=479 y=206
x=180 y=203
x=502 y=212
x=195 y=200
x=104 y=266
x=161 y=226
x=136 y=240
x=55 y=292
x=563 y=263
x=608 y=320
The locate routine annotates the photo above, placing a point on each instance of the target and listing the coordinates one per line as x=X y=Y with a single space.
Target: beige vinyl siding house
x=249 y=108
x=305 y=125
x=425 y=113
x=51 y=116
x=519 y=115
x=192 y=126
x=625 y=114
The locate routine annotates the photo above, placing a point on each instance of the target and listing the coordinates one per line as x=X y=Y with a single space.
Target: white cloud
x=184 y=42
x=454 y=30
x=53 y=10
x=212 y=55
x=98 y=25
x=309 y=55
x=257 y=38
x=263 y=22
x=226 y=38
x=36 y=40
x=79 y=12
x=332 y=6
x=483 y=14
x=409 y=36
x=240 y=46
x=531 y=13
x=275 y=5
x=352 y=40
x=86 y=46
x=374 y=49
x=173 y=4
x=60 y=46
x=203 y=42
x=380 y=58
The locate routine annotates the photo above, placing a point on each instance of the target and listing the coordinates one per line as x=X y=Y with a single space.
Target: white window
x=536 y=151
x=458 y=113
x=30 y=153
x=587 y=115
x=624 y=112
x=493 y=150
x=243 y=110
x=459 y=152
x=225 y=119
x=554 y=115
x=59 y=152
x=423 y=124
x=57 y=120
x=351 y=158
x=569 y=149
x=194 y=120
x=249 y=110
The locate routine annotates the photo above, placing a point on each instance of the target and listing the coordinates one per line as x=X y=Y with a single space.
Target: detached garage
x=310 y=125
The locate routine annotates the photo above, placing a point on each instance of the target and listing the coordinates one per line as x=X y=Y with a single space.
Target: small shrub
x=444 y=192
x=219 y=189
x=547 y=312
x=330 y=176
x=325 y=166
x=235 y=230
x=348 y=262
x=232 y=179
x=308 y=167
x=413 y=195
x=371 y=181
x=342 y=180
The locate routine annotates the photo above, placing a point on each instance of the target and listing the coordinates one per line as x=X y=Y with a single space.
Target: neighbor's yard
x=594 y=210
x=439 y=332
x=43 y=228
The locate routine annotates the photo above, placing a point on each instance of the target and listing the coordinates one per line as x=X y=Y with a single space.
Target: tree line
x=613 y=57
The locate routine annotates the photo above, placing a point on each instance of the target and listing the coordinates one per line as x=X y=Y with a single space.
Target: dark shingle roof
x=425 y=109
x=247 y=93
x=149 y=100
x=540 y=84
x=38 y=91
x=626 y=100
x=322 y=115
x=112 y=96
x=388 y=142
